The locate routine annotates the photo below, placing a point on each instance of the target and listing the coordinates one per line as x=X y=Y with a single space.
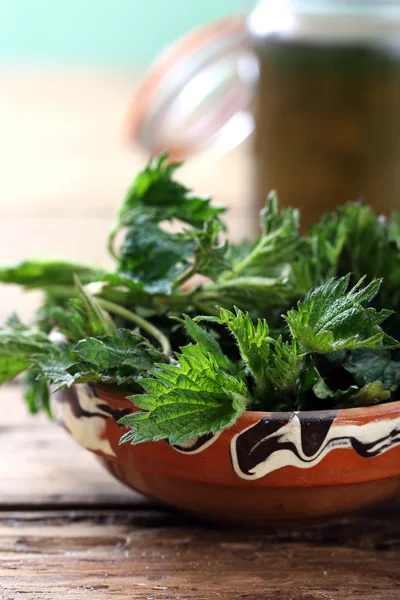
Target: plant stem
x=245 y=262
x=183 y=278
x=206 y=309
x=110 y=243
x=116 y=309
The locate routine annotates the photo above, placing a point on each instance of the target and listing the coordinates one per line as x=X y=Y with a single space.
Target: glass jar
x=316 y=85
x=327 y=104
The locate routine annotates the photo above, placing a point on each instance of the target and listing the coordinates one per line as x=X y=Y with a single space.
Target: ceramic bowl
x=267 y=467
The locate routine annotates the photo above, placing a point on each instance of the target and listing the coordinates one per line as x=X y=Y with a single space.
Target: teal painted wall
x=99 y=31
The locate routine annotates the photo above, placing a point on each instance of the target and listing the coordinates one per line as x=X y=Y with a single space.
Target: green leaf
x=153 y=256
x=44 y=273
x=156 y=193
x=210 y=254
x=331 y=318
x=99 y=321
x=323 y=391
x=250 y=293
x=207 y=343
x=283 y=367
x=20 y=348
x=21 y=341
x=69 y=320
x=114 y=360
x=371 y=394
x=358 y=234
x=352 y=396
x=11 y=365
x=273 y=364
x=127 y=349
x=184 y=401
x=279 y=241
x=253 y=342
x=36 y=393
x=344 y=242
x=53 y=366
x=369 y=366
x=393 y=229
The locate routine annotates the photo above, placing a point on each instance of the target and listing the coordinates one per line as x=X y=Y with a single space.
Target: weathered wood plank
x=40 y=465
x=160 y=556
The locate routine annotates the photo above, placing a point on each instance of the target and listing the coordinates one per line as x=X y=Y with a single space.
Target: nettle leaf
x=207 y=343
x=363 y=234
x=368 y=366
x=41 y=273
x=36 y=393
x=107 y=359
x=240 y=250
x=273 y=364
x=311 y=379
x=344 y=242
x=330 y=318
x=250 y=293
x=53 y=366
x=210 y=254
x=123 y=288
x=279 y=241
x=153 y=256
x=11 y=365
x=320 y=256
x=99 y=321
x=19 y=346
x=353 y=396
x=253 y=341
x=127 y=349
x=184 y=401
x=69 y=320
x=394 y=229
x=155 y=192
x=370 y=394
x=19 y=340
x=283 y=367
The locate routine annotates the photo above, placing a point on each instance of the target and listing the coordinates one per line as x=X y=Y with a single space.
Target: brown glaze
x=234 y=504
x=276 y=466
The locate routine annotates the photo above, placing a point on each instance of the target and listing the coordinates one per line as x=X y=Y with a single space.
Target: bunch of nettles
x=197 y=330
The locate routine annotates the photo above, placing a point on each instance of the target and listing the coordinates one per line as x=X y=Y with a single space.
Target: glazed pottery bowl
x=267 y=467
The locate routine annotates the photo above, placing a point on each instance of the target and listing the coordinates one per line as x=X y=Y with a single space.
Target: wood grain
x=158 y=556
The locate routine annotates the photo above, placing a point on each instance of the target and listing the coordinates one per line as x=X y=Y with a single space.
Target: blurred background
x=69 y=70
x=99 y=32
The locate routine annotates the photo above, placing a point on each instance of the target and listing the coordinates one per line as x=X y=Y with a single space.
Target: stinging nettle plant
x=196 y=330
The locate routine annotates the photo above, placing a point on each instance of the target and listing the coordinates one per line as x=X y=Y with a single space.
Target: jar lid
x=198 y=93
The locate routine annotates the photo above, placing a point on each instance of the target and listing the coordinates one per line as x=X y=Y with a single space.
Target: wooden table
x=69 y=531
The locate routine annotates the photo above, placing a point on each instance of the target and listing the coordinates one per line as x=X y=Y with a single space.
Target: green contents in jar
x=328 y=125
